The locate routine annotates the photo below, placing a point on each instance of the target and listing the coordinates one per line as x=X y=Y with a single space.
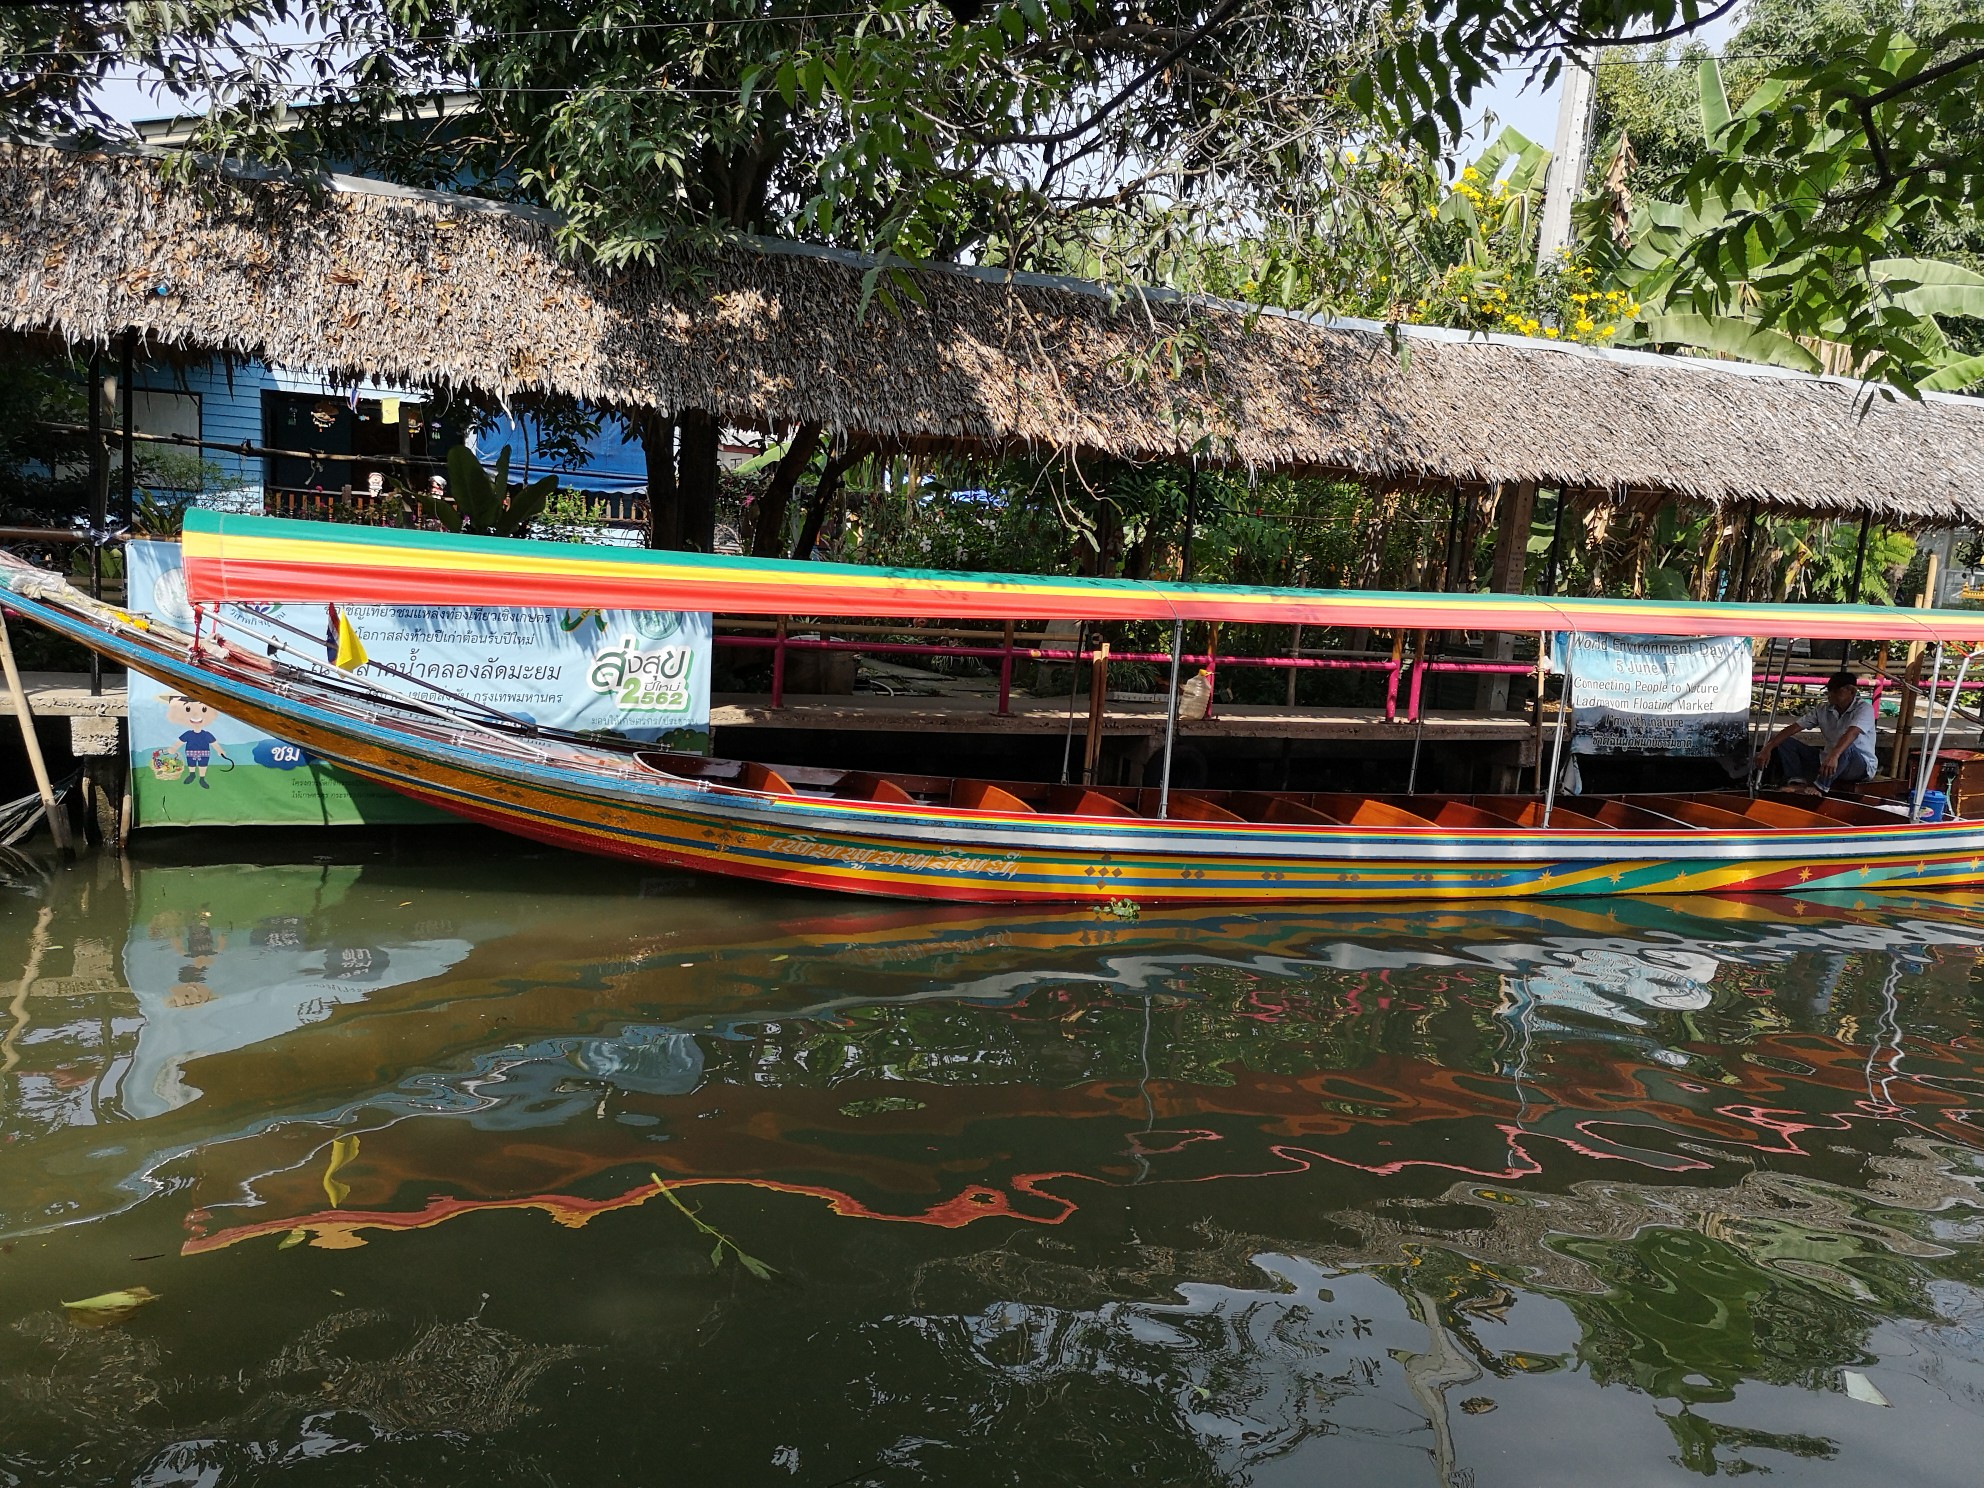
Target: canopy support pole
x=1536 y=708
x=1557 y=747
x=1418 y=722
x=1942 y=732
x=1928 y=722
x=1170 y=721
x=1074 y=683
x=1776 y=696
x=58 y=824
x=1178 y=649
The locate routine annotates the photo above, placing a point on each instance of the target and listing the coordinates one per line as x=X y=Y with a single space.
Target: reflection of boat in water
x=585 y=1053
x=943 y=838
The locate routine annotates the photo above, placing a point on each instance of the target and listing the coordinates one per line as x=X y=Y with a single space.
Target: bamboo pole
x=58 y=824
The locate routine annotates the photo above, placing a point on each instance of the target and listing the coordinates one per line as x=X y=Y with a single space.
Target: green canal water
x=500 y=1167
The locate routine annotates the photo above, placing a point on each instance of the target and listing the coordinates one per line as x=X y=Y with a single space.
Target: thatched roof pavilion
x=366 y=279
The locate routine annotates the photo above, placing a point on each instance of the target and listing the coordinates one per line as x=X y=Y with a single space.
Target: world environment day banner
x=1657 y=694
x=644 y=674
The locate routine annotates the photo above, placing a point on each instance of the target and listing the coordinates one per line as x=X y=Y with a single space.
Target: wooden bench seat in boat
x=1695 y=813
x=756 y=777
x=1187 y=806
x=1765 y=812
x=1365 y=811
x=1629 y=818
x=1527 y=811
x=879 y=788
x=1852 y=813
x=1462 y=814
x=1082 y=800
x=1279 y=809
x=983 y=795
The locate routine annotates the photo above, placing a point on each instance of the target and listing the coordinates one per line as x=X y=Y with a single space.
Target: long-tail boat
x=938 y=837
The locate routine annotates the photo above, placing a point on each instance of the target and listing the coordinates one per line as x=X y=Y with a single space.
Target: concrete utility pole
x=1569 y=158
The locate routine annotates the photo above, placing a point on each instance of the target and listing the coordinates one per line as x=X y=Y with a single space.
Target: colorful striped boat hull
x=604 y=802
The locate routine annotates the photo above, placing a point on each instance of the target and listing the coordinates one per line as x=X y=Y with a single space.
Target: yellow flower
x=1469 y=173
x=1551 y=332
x=1608 y=331
x=1586 y=323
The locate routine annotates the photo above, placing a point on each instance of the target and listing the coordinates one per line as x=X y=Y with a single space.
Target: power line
x=301 y=47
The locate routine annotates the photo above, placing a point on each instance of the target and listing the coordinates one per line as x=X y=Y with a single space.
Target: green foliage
x=479 y=502
x=1749 y=303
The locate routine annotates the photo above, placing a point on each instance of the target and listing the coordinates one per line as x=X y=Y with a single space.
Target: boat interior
x=1726 y=811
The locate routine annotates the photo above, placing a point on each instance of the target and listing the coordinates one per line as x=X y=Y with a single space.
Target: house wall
x=230 y=402
x=230 y=412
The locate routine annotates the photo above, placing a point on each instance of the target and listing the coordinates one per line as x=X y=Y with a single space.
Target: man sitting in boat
x=1845 y=721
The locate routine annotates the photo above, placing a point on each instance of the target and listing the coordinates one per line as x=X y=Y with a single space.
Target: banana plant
x=478 y=501
x=1733 y=313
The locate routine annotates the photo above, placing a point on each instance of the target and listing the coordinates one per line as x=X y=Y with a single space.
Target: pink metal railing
x=780 y=644
x=1020 y=648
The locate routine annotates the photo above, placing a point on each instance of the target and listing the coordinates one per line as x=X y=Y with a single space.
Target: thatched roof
x=426 y=288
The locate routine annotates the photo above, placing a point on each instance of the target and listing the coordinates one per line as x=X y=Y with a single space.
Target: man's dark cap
x=1841 y=679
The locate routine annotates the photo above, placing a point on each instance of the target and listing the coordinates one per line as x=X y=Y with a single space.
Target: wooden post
x=1517 y=508
x=99 y=495
x=1556 y=542
x=1006 y=671
x=127 y=396
x=58 y=824
x=1098 y=688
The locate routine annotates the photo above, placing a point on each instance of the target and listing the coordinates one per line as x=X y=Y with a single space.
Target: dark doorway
x=315 y=426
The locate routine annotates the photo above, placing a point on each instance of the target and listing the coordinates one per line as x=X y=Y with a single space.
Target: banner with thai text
x=637 y=673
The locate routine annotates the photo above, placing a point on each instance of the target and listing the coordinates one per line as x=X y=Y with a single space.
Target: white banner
x=1658 y=694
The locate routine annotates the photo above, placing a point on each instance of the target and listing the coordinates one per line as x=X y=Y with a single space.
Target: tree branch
x=1129 y=90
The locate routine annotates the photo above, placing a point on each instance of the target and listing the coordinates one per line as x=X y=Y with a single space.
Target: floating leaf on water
x=1859 y=1387
x=879 y=1104
x=343 y=1150
x=750 y=1263
x=782 y=956
x=294 y=1237
x=1477 y=1405
x=110 y=1307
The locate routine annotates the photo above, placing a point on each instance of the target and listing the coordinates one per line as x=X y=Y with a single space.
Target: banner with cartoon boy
x=640 y=673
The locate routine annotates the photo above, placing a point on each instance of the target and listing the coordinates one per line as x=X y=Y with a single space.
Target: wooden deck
x=67 y=695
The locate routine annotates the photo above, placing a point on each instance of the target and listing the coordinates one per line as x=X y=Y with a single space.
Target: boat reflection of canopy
x=932 y=836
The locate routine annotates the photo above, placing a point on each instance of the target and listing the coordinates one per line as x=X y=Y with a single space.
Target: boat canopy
x=259 y=560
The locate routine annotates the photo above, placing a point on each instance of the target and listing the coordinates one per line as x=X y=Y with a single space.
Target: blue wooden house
x=289 y=443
